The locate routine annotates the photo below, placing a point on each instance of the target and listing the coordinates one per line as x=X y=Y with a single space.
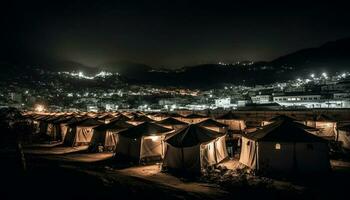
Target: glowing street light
x=39 y=108
x=312 y=75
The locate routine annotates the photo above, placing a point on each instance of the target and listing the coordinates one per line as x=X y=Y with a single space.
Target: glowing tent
x=194 y=148
x=140 y=119
x=194 y=118
x=80 y=132
x=344 y=137
x=214 y=125
x=105 y=135
x=326 y=125
x=234 y=122
x=143 y=142
x=284 y=147
x=172 y=123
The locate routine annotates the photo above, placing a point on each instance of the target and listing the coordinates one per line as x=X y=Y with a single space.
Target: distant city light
x=324 y=74
x=81 y=75
x=312 y=75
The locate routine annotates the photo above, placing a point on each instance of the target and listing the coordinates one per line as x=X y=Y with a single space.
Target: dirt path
x=152 y=173
x=54 y=150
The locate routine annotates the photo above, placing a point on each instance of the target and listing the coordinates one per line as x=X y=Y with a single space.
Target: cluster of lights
x=81 y=75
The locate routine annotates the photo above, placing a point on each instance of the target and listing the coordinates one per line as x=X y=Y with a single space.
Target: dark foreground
x=80 y=175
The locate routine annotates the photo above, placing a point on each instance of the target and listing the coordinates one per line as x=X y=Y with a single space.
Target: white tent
x=80 y=133
x=284 y=147
x=143 y=142
x=194 y=148
x=105 y=136
x=344 y=137
x=193 y=118
x=214 y=125
x=326 y=125
x=172 y=123
x=234 y=122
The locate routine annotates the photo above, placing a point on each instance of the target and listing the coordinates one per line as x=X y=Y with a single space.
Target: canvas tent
x=53 y=131
x=105 y=136
x=277 y=118
x=80 y=132
x=172 y=123
x=194 y=118
x=234 y=122
x=106 y=118
x=284 y=147
x=310 y=129
x=194 y=148
x=140 y=119
x=143 y=142
x=214 y=125
x=344 y=137
x=326 y=125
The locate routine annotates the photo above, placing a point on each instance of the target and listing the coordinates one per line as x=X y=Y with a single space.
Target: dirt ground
x=56 y=172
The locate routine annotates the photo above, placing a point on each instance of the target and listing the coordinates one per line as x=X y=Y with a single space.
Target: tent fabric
x=142 y=142
x=221 y=150
x=284 y=147
x=105 y=135
x=152 y=146
x=192 y=135
x=344 y=137
x=285 y=130
x=195 y=158
x=83 y=135
x=128 y=147
x=326 y=129
x=187 y=158
x=211 y=123
x=144 y=129
x=194 y=148
x=171 y=121
x=248 y=153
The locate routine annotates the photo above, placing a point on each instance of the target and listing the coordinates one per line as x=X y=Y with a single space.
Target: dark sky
x=167 y=33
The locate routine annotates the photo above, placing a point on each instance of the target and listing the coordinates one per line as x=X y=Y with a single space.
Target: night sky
x=164 y=33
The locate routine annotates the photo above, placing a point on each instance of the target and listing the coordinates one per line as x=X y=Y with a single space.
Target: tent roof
x=144 y=129
x=108 y=116
x=283 y=131
x=211 y=122
x=281 y=117
x=65 y=119
x=174 y=115
x=142 y=118
x=194 y=115
x=122 y=117
x=86 y=122
x=228 y=116
x=171 y=121
x=324 y=118
x=192 y=135
x=115 y=125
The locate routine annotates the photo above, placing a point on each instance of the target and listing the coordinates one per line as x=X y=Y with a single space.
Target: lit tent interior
x=105 y=135
x=326 y=125
x=284 y=147
x=143 y=142
x=233 y=121
x=80 y=132
x=344 y=137
x=214 y=125
x=194 y=148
